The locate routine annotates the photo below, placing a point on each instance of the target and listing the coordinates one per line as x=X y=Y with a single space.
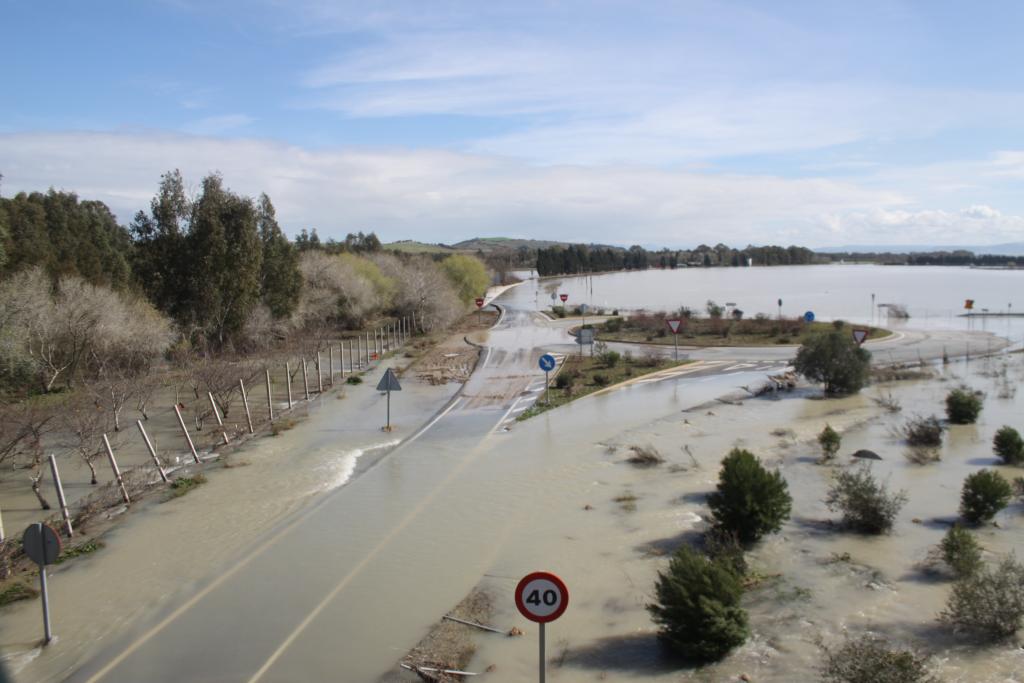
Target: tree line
x=958 y=257
x=209 y=272
x=582 y=258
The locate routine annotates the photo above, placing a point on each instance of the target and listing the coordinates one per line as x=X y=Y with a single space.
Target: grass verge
x=16 y=592
x=582 y=376
x=90 y=546
x=182 y=485
x=719 y=332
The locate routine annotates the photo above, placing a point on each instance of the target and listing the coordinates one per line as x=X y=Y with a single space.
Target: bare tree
x=82 y=424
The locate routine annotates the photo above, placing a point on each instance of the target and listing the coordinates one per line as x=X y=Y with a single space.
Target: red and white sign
x=542 y=597
x=860 y=336
x=674 y=325
x=479 y=302
x=563 y=297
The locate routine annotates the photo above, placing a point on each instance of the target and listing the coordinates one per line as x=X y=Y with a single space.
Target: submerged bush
x=988 y=604
x=961 y=552
x=963 y=406
x=866 y=504
x=698 y=606
x=834 y=359
x=984 y=494
x=829 y=440
x=870 y=659
x=750 y=501
x=1009 y=446
x=923 y=431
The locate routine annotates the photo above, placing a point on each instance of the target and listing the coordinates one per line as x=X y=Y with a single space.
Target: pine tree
x=280 y=279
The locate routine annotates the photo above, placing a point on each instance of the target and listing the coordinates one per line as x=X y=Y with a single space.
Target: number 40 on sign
x=542 y=597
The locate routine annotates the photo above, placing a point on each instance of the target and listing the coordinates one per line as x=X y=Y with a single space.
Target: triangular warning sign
x=389 y=382
x=674 y=325
x=859 y=336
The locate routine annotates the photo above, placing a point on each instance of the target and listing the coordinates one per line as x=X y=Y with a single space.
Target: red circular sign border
x=553 y=579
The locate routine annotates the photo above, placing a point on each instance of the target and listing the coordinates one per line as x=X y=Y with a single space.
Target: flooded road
x=343 y=588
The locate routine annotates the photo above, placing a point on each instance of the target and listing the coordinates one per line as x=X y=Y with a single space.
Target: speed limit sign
x=541 y=597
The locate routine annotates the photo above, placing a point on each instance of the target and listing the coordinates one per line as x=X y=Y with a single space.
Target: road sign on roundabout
x=479 y=302
x=547 y=362
x=809 y=316
x=563 y=297
x=674 y=325
x=860 y=336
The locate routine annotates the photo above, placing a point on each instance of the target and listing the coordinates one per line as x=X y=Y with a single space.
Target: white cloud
x=445 y=196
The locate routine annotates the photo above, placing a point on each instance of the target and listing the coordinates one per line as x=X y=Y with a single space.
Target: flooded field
x=933 y=295
x=291 y=568
x=822 y=581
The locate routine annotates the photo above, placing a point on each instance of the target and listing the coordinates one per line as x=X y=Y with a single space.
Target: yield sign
x=674 y=325
x=389 y=382
x=859 y=336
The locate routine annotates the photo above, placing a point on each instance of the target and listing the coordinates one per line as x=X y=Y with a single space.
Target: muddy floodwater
x=310 y=564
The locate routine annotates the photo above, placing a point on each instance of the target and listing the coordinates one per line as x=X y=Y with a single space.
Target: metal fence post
x=117 y=471
x=305 y=379
x=184 y=430
x=270 y=398
x=152 y=451
x=60 y=496
x=216 y=414
x=245 y=402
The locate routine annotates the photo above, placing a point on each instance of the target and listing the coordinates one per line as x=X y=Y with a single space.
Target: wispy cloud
x=434 y=195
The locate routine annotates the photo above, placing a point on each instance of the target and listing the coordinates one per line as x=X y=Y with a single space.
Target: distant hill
x=488 y=244
x=1006 y=249
x=414 y=247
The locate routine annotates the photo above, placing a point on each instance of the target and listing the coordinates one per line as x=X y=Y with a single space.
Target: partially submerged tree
x=750 y=501
x=467 y=274
x=1009 y=446
x=866 y=504
x=989 y=603
x=871 y=659
x=829 y=440
x=961 y=552
x=963 y=406
x=698 y=606
x=834 y=358
x=984 y=494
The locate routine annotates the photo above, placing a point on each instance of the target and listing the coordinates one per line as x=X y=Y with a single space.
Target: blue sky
x=660 y=123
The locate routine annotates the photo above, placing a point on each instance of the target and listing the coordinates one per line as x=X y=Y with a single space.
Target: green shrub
x=835 y=359
x=988 y=604
x=984 y=494
x=963 y=406
x=1009 y=446
x=750 y=501
x=600 y=380
x=613 y=325
x=923 y=431
x=866 y=504
x=611 y=358
x=829 y=440
x=869 y=659
x=960 y=551
x=354 y=379
x=698 y=607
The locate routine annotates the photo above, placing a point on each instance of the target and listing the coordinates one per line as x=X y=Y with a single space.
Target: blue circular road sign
x=809 y=316
x=547 y=362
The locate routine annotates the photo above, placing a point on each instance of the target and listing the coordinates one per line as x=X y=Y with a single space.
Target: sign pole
x=47 y=633
x=542 y=666
x=388 y=425
x=675 y=342
x=547 y=385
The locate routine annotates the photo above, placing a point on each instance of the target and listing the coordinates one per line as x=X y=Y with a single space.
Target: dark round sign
x=563 y=297
x=479 y=302
x=542 y=597
x=41 y=544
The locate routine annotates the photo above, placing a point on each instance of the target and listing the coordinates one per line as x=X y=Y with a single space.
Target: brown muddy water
x=609 y=556
x=161 y=552
x=463 y=506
